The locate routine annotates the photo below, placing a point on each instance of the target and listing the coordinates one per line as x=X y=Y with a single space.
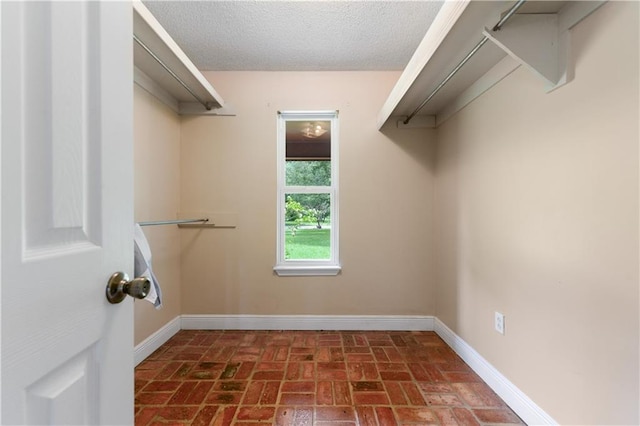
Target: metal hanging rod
x=473 y=51
x=171 y=222
x=207 y=105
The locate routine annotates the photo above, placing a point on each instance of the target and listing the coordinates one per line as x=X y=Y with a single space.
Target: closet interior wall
x=157 y=197
x=537 y=218
x=386 y=189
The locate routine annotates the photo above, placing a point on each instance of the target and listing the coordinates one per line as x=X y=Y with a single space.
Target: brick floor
x=212 y=377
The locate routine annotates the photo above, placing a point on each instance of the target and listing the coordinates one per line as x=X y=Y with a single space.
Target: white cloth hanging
x=142 y=266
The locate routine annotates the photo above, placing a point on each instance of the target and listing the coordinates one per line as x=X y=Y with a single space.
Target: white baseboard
x=157 y=339
x=307 y=322
x=520 y=403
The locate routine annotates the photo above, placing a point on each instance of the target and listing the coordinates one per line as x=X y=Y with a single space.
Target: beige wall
x=537 y=217
x=386 y=187
x=156 y=190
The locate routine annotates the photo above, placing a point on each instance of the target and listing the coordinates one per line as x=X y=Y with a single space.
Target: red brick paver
x=298 y=378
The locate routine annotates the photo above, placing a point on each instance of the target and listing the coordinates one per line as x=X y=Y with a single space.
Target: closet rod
x=473 y=51
x=207 y=105
x=171 y=222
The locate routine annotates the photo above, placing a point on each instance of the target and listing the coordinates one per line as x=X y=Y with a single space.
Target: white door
x=66 y=211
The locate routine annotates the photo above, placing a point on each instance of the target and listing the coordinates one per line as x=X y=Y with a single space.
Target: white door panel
x=67 y=355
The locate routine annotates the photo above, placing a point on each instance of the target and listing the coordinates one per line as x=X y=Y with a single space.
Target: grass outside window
x=308 y=243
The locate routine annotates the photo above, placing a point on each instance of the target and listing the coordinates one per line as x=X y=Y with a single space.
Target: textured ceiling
x=296 y=35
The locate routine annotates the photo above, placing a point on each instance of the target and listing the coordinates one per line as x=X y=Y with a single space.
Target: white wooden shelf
x=153 y=77
x=537 y=36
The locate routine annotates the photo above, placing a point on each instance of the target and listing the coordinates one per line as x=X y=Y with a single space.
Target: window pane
x=308 y=140
x=307 y=227
x=308 y=153
x=308 y=173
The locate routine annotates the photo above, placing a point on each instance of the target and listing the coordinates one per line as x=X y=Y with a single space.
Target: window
x=307 y=193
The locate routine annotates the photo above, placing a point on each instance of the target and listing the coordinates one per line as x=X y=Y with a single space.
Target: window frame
x=309 y=267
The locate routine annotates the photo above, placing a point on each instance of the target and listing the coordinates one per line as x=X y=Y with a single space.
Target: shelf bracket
x=532 y=40
x=542 y=42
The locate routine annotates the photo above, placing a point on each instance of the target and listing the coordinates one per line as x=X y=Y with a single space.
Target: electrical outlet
x=499 y=322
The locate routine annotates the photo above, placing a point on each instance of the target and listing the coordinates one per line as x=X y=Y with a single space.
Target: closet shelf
x=536 y=36
x=165 y=71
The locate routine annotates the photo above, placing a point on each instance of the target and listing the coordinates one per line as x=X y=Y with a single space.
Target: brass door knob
x=119 y=286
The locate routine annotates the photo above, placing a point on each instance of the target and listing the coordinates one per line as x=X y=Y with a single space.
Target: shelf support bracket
x=542 y=42
x=532 y=40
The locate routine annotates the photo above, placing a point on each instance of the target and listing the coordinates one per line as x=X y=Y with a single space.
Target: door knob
x=119 y=286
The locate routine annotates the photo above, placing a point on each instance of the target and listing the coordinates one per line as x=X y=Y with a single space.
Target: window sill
x=307 y=270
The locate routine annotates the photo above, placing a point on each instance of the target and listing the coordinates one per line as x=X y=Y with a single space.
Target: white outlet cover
x=499 y=322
